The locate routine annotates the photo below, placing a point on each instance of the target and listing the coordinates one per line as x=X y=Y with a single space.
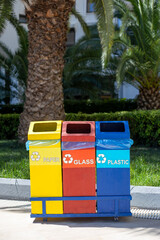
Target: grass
x=145 y=163
x=145 y=166
x=13 y=160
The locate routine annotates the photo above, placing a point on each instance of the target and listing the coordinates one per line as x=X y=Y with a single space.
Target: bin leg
x=116 y=219
x=116 y=208
x=44 y=219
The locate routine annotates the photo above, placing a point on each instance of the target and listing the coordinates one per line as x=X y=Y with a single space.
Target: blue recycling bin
x=113 y=165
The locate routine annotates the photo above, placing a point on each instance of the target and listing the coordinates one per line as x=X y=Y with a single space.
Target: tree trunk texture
x=48 y=26
x=149 y=99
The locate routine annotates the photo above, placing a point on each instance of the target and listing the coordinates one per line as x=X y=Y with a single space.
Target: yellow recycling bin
x=45 y=165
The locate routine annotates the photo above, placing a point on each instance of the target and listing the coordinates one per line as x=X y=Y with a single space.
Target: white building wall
x=127 y=91
x=9 y=37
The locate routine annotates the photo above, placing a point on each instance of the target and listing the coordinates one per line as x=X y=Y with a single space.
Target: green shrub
x=85 y=106
x=144 y=125
x=96 y=106
x=8 y=126
x=6 y=109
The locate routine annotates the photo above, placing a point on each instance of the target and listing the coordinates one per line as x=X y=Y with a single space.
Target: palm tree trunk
x=149 y=99
x=48 y=25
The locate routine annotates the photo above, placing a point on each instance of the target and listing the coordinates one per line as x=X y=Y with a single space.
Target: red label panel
x=79 y=158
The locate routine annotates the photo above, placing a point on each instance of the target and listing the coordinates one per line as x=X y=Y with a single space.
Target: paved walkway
x=16 y=224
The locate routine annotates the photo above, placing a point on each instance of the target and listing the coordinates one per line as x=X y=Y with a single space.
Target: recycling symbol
x=101 y=158
x=67 y=158
x=35 y=156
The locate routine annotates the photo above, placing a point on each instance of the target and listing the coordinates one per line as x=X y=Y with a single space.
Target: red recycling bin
x=78 y=152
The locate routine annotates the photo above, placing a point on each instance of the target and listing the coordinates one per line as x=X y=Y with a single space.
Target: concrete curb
x=19 y=189
x=145 y=197
x=14 y=189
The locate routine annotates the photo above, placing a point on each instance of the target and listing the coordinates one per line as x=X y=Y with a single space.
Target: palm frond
x=5 y=51
x=83 y=73
x=140 y=62
x=104 y=13
x=21 y=32
x=16 y=64
x=6 y=8
x=81 y=21
x=28 y=4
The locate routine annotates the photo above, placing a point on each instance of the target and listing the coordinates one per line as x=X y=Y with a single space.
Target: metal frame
x=114 y=214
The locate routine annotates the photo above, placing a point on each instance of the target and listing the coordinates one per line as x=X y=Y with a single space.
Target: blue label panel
x=113 y=158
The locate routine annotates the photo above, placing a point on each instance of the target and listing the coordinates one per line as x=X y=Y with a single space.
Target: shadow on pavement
x=134 y=225
x=124 y=222
x=25 y=208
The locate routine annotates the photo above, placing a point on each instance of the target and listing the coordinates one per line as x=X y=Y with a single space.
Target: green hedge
x=7 y=109
x=96 y=106
x=8 y=126
x=85 y=106
x=144 y=125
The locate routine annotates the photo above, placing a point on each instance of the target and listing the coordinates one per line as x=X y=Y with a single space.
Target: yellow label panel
x=36 y=207
x=46 y=180
x=54 y=207
x=45 y=156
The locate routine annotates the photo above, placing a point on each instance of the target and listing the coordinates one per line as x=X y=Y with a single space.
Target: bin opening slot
x=112 y=127
x=45 y=127
x=78 y=128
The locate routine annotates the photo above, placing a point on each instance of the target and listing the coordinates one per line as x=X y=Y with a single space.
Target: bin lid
x=44 y=130
x=112 y=130
x=78 y=131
